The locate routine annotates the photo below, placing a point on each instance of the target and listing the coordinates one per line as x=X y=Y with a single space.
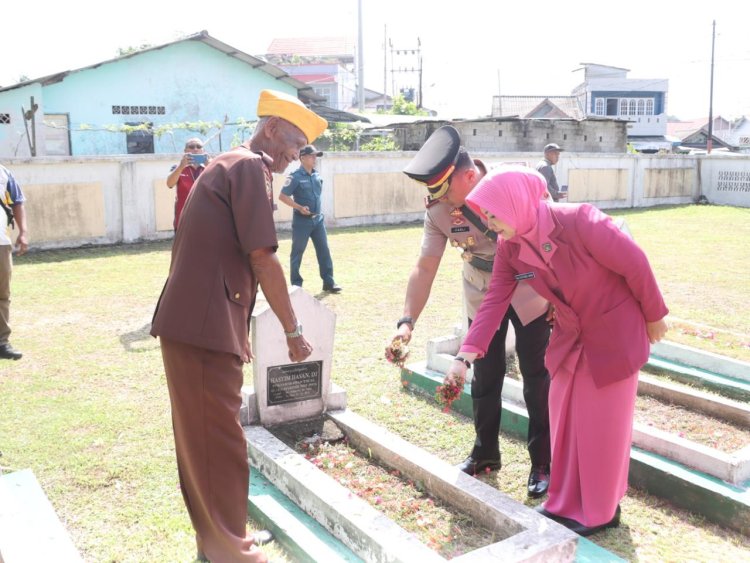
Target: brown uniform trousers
x=204 y=390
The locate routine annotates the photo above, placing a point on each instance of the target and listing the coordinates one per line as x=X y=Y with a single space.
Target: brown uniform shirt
x=210 y=292
x=443 y=223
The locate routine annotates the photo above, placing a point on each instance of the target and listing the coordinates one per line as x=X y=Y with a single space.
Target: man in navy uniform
x=445 y=168
x=302 y=192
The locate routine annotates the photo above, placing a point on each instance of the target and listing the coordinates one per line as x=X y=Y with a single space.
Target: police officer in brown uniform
x=226 y=246
x=449 y=174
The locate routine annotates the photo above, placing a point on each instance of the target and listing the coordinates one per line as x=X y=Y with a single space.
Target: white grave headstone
x=285 y=390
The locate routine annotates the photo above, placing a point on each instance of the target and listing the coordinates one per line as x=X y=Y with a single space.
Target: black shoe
x=541 y=510
x=538 y=481
x=335 y=288
x=472 y=466
x=7 y=352
x=262 y=537
x=582 y=530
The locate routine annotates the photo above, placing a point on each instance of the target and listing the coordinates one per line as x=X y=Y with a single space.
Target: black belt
x=481 y=264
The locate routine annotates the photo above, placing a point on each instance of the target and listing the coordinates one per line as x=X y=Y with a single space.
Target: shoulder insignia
x=429 y=202
x=288 y=181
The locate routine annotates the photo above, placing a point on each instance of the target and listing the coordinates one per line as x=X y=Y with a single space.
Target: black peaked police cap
x=436 y=161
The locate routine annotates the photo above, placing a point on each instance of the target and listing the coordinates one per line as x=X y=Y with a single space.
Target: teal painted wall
x=13 y=141
x=190 y=80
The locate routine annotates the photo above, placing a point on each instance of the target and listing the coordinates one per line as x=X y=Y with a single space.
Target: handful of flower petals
x=397 y=352
x=447 y=393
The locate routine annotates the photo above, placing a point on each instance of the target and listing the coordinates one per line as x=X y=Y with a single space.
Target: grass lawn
x=87 y=408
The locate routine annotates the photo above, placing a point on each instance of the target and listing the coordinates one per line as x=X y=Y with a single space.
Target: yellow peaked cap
x=290 y=108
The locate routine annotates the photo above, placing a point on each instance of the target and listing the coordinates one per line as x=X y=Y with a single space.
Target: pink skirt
x=591 y=432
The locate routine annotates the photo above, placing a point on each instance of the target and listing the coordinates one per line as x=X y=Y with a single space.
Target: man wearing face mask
x=224 y=248
x=445 y=168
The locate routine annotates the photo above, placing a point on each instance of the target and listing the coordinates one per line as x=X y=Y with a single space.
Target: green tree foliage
x=386 y=143
x=402 y=107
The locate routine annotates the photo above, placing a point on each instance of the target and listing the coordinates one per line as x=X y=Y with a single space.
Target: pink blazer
x=601 y=285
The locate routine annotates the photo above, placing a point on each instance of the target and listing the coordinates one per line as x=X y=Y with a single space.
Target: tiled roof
x=537 y=107
x=312 y=46
x=312 y=79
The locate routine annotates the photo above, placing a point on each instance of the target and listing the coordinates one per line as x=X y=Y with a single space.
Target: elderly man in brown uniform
x=226 y=246
x=449 y=174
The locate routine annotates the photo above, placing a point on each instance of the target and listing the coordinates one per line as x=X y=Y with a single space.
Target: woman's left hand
x=656 y=330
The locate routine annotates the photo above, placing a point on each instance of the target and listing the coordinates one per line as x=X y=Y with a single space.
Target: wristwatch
x=463 y=360
x=407 y=320
x=295 y=333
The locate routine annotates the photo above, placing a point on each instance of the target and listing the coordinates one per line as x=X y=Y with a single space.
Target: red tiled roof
x=314 y=78
x=312 y=46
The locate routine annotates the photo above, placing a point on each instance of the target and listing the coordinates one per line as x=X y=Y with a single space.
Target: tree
x=403 y=107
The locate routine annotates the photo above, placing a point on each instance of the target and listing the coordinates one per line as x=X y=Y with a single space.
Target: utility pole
x=385 y=65
x=709 y=142
x=360 y=63
x=403 y=67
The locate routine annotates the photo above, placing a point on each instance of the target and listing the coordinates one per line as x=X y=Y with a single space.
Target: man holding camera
x=184 y=174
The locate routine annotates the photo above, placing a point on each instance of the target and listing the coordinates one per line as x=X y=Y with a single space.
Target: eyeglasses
x=194 y=146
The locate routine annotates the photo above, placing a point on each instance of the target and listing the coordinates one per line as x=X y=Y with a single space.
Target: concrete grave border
x=376 y=538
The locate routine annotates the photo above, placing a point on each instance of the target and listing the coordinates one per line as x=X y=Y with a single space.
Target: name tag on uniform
x=526 y=276
x=463 y=229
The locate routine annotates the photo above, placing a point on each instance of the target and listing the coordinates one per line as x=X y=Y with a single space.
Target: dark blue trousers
x=305 y=228
x=487 y=388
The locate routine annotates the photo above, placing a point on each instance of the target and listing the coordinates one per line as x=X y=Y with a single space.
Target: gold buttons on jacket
x=236 y=295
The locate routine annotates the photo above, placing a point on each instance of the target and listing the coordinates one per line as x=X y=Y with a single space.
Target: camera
x=198 y=159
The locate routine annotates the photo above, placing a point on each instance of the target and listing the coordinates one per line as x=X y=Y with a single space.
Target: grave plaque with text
x=294 y=382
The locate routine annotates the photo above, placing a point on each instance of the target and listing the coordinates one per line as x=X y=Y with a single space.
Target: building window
x=4 y=119
x=599 y=106
x=324 y=93
x=140 y=141
x=635 y=106
x=138 y=110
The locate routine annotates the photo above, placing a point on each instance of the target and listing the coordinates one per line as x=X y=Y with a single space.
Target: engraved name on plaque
x=291 y=383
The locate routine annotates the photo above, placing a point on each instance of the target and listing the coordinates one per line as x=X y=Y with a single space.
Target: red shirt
x=184 y=185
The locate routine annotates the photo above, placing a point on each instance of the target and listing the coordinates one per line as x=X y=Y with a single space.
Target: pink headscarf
x=514 y=194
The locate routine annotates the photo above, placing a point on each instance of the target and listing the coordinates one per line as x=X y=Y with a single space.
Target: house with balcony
x=606 y=91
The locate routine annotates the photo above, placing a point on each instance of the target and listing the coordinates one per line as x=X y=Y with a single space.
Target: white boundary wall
x=74 y=201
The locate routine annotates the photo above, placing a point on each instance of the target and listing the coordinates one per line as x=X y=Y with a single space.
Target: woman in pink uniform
x=608 y=308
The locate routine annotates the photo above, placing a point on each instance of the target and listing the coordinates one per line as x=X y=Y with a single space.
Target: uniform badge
x=456 y=212
x=458 y=221
x=547 y=247
x=287 y=181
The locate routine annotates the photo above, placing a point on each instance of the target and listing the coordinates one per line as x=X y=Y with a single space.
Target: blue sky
x=471 y=49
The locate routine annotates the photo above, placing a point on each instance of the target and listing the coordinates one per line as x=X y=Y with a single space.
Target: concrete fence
x=74 y=201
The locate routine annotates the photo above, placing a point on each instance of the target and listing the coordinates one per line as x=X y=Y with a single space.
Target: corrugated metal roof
x=304 y=91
